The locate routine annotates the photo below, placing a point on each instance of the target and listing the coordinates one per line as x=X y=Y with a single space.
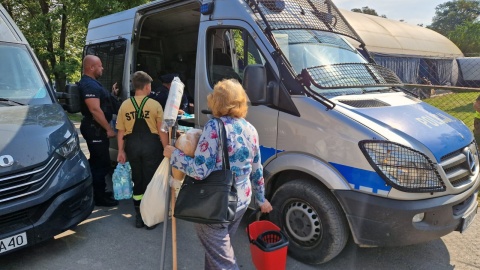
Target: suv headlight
x=69 y=148
x=402 y=167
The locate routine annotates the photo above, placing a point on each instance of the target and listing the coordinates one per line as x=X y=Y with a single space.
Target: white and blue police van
x=346 y=151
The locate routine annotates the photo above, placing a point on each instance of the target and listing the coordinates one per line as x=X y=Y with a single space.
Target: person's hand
x=181 y=112
x=121 y=157
x=266 y=207
x=111 y=133
x=115 y=89
x=167 y=152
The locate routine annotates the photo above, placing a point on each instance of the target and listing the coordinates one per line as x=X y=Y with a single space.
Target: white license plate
x=468 y=219
x=13 y=242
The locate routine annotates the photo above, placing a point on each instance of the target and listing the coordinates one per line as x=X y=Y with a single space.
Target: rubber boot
x=138 y=217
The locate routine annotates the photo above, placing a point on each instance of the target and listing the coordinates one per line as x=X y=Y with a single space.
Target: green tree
x=467 y=37
x=56 y=30
x=367 y=10
x=451 y=14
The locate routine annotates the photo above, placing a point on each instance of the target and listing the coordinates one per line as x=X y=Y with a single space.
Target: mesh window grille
x=303 y=14
x=112 y=55
x=403 y=168
x=352 y=75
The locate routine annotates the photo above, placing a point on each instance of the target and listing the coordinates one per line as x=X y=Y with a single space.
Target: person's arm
x=93 y=105
x=205 y=157
x=121 y=156
x=163 y=137
x=256 y=176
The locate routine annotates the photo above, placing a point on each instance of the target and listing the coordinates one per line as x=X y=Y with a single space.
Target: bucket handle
x=250 y=220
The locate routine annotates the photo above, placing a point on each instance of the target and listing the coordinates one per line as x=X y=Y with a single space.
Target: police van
x=45 y=182
x=346 y=151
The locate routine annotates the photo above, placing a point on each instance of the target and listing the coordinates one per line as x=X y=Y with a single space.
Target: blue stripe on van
x=361 y=179
x=267 y=152
x=357 y=178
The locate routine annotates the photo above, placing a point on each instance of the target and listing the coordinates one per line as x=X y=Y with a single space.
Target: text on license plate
x=13 y=242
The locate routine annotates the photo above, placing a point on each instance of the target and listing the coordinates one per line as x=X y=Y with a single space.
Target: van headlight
x=402 y=167
x=69 y=148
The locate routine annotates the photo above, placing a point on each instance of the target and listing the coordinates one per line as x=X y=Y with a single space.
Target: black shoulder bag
x=213 y=199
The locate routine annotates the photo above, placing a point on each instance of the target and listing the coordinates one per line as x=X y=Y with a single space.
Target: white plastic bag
x=152 y=206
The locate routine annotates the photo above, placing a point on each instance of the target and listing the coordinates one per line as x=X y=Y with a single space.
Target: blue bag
x=122 y=181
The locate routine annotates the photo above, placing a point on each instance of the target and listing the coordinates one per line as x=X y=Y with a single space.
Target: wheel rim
x=302 y=223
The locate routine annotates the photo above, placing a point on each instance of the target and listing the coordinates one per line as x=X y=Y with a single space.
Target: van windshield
x=331 y=54
x=20 y=80
x=311 y=48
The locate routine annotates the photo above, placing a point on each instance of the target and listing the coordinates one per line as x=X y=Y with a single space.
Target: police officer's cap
x=168 y=78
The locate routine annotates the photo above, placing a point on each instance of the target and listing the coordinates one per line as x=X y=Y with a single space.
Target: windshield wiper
x=12 y=101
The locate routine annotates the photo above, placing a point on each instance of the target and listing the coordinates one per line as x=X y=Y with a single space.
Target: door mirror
x=255 y=84
x=71 y=97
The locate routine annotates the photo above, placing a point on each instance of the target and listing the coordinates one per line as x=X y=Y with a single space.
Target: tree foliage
x=56 y=30
x=451 y=14
x=367 y=10
x=467 y=38
x=457 y=20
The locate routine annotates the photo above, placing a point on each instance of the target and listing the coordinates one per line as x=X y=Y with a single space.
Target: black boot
x=101 y=199
x=138 y=217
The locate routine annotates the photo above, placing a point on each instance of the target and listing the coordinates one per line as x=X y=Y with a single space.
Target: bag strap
x=223 y=143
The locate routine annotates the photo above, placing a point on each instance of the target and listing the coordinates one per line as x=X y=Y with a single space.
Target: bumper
x=50 y=218
x=376 y=221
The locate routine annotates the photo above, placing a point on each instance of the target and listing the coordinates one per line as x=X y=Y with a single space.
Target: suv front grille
x=27 y=182
x=460 y=166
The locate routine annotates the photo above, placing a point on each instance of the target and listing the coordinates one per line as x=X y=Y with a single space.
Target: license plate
x=13 y=242
x=468 y=219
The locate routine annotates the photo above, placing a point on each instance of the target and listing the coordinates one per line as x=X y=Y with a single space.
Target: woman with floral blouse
x=228 y=102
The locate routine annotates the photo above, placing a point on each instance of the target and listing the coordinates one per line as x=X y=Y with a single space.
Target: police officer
x=97 y=109
x=139 y=137
x=160 y=94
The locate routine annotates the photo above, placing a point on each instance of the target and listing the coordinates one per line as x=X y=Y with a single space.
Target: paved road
x=108 y=240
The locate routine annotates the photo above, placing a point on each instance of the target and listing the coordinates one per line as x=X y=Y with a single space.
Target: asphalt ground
x=109 y=240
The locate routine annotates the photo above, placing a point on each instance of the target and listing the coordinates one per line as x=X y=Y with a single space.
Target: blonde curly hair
x=228 y=99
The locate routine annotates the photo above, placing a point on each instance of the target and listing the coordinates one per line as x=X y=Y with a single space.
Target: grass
x=457 y=104
x=75 y=117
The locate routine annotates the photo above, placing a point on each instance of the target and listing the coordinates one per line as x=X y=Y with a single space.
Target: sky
x=411 y=11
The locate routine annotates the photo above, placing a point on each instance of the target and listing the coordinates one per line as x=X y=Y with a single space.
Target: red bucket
x=268 y=245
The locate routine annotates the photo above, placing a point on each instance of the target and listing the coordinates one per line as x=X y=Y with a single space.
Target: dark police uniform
x=95 y=135
x=160 y=93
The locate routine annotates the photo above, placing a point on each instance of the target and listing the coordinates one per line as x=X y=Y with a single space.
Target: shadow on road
x=108 y=240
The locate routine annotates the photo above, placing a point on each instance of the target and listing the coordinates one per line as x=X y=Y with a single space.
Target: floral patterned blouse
x=243 y=153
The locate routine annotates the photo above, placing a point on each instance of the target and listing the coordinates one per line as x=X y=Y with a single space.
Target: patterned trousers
x=216 y=240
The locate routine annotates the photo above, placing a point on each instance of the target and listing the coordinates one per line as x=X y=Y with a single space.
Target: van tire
x=312 y=219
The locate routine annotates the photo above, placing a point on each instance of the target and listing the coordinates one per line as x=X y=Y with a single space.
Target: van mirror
x=255 y=84
x=71 y=97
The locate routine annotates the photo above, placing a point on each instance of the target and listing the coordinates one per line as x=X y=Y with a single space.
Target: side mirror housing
x=71 y=97
x=255 y=84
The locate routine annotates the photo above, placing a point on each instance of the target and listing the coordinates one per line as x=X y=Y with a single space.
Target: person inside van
x=97 y=108
x=160 y=94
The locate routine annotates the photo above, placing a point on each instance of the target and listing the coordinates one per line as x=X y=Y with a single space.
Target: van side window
x=229 y=52
x=112 y=54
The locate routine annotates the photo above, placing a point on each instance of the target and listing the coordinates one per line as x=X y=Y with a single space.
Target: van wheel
x=313 y=220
